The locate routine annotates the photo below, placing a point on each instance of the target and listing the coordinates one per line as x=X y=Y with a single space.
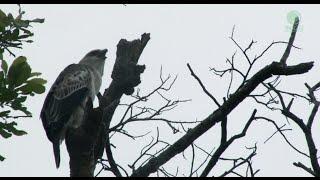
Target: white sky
x=197 y=34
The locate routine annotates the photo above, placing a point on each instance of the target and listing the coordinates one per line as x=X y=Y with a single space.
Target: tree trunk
x=86 y=144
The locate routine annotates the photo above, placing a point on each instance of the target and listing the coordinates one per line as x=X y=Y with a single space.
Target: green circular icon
x=292 y=15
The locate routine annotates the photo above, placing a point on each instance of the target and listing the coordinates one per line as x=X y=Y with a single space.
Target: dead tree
x=87 y=144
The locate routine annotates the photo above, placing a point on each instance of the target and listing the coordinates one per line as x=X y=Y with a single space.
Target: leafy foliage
x=17 y=81
x=14 y=31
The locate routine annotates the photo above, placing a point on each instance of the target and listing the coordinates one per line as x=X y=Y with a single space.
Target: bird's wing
x=68 y=91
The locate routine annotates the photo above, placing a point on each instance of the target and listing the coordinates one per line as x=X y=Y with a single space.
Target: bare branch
x=243 y=92
x=286 y=53
x=223 y=146
x=280 y=131
x=302 y=166
x=202 y=86
x=242 y=161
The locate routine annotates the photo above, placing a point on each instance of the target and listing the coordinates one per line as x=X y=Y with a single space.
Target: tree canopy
x=17 y=81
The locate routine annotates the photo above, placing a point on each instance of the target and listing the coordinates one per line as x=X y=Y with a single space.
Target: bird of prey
x=64 y=105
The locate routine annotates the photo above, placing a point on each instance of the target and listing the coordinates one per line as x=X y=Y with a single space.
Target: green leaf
x=17 y=132
x=2 y=26
x=39 y=89
x=25 y=111
x=10 y=17
x=4 y=133
x=15 y=34
x=4 y=66
x=26 y=31
x=4 y=21
x=19 y=60
x=2 y=158
x=37 y=81
x=1 y=53
x=3 y=18
x=32 y=87
x=24 y=36
x=7 y=95
x=4 y=113
x=35 y=74
x=38 y=20
x=19 y=72
x=2 y=82
x=21 y=99
x=2 y=15
x=16 y=104
x=10 y=127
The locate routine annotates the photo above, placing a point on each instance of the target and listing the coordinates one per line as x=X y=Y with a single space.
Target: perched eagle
x=64 y=105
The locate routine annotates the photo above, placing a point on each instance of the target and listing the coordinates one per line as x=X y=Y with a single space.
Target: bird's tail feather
x=56 y=151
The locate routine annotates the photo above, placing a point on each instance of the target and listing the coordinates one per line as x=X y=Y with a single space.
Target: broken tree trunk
x=85 y=144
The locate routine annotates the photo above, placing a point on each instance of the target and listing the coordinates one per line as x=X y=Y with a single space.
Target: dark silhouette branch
x=286 y=53
x=282 y=134
x=302 y=166
x=80 y=143
x=243 y=161
x=107 y=115
x=202 y=86
x=305 y=127
x=125 y=76
x=275 y=68
x=224 y=145
x=235 y=99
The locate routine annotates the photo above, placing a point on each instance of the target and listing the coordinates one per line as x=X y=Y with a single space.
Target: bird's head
x=99 y=54
x=95 y=59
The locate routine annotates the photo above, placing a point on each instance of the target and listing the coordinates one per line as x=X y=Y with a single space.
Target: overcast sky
x=197 y=34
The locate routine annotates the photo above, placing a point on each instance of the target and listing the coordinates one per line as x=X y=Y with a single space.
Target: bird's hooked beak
x=104 y=52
